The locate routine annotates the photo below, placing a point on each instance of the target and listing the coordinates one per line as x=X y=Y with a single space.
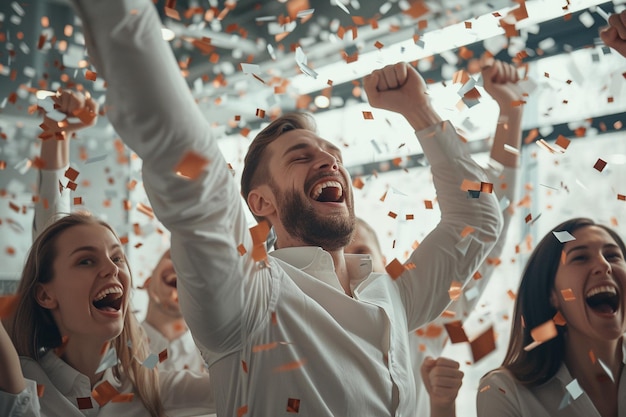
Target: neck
x=171 y=327
x=341 y=270
x=588 y=371
x=84 y=356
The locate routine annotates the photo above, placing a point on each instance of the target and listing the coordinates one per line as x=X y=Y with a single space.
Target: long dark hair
x=533 y=308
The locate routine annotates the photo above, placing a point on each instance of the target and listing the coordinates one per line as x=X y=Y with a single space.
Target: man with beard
x=306 y=330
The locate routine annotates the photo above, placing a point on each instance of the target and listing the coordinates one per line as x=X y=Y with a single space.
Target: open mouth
x=603 y=299
x=328 y=192
x=109 y=299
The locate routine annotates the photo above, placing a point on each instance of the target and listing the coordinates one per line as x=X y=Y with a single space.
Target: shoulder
x=500 y=387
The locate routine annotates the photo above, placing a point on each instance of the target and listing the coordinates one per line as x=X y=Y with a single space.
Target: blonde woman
x=80 y=347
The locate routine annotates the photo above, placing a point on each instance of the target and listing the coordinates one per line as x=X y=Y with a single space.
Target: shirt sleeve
x=24 y=404
x=186 y=393
x=470 y=224
x=54 y=200
x=504 y=180
x=150 y=106
x=498 y=397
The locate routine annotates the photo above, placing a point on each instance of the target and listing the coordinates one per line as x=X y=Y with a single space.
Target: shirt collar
x=317 y=262
x=63 y=376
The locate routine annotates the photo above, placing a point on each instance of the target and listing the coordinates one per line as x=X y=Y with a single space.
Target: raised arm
x=469 y=226
x=151 y=107
x=81 y=111
x=614 y=35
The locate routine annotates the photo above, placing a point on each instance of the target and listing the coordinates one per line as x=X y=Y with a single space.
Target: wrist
x=422 y=116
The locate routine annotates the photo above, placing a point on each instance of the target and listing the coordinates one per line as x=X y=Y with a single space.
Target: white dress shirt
x=285 y=336
x=500 y=395
x=182 y=352
x=183 y=393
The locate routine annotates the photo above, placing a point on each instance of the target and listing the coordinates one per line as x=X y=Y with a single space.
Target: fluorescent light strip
x=436 y=42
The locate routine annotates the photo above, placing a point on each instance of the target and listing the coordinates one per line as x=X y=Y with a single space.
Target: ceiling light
x=322 y=102
x=168 y=34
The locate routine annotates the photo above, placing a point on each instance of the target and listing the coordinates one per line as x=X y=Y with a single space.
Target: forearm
x=55 y=153
x=468 y=229
x=422 y=116
x=12 y=380
x=508 y=134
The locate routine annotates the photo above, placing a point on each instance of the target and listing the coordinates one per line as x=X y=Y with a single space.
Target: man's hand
x=443 y=380
x=400 y=88
x=614 y=35
x=76 y=106
x=500 y=81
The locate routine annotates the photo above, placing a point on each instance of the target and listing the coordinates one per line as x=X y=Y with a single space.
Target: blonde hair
x=34 y=331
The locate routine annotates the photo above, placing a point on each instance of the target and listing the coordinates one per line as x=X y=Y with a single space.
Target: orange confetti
x=104 y=393
x=599 y=165
x=71 y=174
x=84 y=403
x=428 y=204
x=191 y=165
x=242 y=410
x=78 y=201
x=456 y=333
x=392 y=215
x=568 y=294
x=455 y=290
x=395 y=268
x=142 y=208
x=467 y=230
x=558 y=319
x=290 y=366
x=123 y=398
x=562 y=141
x=293 y=405
x=40 y=390
x=358 y=183
x=483 y=345
x=90 y=75
x=241 y=249
x=418 y=8
x=367 y=115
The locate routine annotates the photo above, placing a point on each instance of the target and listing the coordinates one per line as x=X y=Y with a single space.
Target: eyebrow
x=582 y=247
x=93 y=248
x=304 y=145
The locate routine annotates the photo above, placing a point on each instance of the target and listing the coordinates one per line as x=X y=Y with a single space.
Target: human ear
x=45 y=297
x=261 y=202
x=554 y=299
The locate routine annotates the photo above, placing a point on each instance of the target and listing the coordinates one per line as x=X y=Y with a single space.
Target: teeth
x=318 y=189
x=107 y=291
x=598 y=290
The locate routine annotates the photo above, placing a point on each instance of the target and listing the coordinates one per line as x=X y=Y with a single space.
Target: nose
x=601 y=266
x=109 y=269
x=326 y=160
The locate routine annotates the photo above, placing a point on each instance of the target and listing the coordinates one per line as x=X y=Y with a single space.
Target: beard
x=301 y=221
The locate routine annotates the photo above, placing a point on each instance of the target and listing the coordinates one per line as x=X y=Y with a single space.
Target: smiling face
x=88 y=294
x=308 y=197
x=594 y=270
x=162 y=287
